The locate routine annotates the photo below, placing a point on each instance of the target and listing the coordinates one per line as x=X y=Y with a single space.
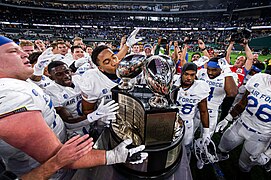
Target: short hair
x=195 y=54
x=26 y=43
x=96 y=52
x=34 y=57
x=53 y=45
x=77 y=39
x=60 y=42
x=259 y=65
x=54 y=64
x=73 y=47
x=214 y=59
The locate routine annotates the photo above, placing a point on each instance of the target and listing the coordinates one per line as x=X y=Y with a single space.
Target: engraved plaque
x=158 y=128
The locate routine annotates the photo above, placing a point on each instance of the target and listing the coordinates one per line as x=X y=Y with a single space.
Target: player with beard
x=221 y=83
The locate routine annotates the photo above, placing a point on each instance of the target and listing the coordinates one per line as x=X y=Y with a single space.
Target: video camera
x=240 y=34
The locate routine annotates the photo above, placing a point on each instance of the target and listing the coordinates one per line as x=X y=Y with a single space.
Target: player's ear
x=100 y=68
x=50 y=76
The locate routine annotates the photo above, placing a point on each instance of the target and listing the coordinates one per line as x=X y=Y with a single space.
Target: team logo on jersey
x=256 y=84
x=203 y=74
x=65 y=96
x=35 y=92
x=104 y=91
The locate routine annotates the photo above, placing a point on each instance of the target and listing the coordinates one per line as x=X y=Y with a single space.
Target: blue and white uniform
x=254 y=126
x=215 y=98
x=69 y=98
x=21 y=96
x=187 y=102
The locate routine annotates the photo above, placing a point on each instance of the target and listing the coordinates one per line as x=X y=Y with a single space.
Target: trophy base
x=158 y=102
x=162 y=159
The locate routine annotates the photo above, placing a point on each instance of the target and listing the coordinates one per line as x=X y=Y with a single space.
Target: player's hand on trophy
x=79 y=62
x=224 y=65
x=108 y=119
x=131 y=40
x=122 y=154
x=206 y=136
x=261 y=159
x=201 y=61
x=103 y=110
x=222 y=124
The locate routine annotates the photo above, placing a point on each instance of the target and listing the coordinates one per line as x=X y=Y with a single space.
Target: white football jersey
x=187 y=100
x=95 y=85
x=20 y=96
x=71 y=99
x=216 y=85
x=45 y=81
x=257 y=114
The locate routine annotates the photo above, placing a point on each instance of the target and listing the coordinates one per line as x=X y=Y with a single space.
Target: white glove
x=261 y=159
x=47 y=52
x=206 y=136
x=110 y=118
x=103 y=110
x=42 y=62
x=131 y=40
x=224 y=65
x=81 y=61
x=121 y=154
x=201 y=61
x=222 y=124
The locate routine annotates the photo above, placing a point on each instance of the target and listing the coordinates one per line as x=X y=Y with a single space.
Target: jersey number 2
x=261 y=114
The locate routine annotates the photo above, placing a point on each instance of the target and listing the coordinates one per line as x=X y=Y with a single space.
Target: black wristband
x=203 y=49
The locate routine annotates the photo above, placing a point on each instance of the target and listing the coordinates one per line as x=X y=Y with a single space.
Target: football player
x=221 y=83
x=191 y=94
x=253 y=128
x=97 y=83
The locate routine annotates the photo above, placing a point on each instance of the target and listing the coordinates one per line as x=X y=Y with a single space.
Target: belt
x=250 y=129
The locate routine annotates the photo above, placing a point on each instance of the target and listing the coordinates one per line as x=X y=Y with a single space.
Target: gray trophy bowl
x=159 y=78
x=129 y=67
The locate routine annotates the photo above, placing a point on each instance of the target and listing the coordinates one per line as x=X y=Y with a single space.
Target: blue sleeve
x=186 y=57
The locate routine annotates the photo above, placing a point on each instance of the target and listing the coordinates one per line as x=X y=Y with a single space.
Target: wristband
x=203 y=49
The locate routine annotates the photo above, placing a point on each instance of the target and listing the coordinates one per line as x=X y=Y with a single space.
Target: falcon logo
x=65 y=96
x=104 y=91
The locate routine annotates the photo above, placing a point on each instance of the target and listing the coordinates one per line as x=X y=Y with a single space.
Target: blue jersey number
x=78 y=108
x=262 y=113
x=187 y=108
x=211 y=93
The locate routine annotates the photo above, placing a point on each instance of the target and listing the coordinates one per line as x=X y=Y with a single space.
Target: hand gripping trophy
x=146 y=114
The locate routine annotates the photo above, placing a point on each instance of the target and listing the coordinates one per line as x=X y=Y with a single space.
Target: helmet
x=205 y=153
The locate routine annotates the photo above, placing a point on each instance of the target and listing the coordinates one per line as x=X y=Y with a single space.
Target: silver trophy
x=129 y=67
x=159 y=77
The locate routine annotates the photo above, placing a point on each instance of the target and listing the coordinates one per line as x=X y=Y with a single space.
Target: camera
x=164 y=42
x=239 y=35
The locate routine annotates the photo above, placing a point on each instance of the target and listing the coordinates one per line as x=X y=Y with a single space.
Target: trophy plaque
x=156 y=127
